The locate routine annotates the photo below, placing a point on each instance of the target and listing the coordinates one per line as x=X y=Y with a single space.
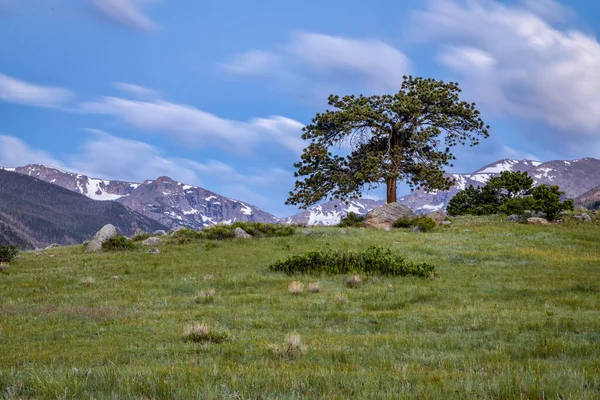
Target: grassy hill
x=513 y=313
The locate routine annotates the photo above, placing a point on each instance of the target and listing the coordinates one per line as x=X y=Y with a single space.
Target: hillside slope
x=34 y=213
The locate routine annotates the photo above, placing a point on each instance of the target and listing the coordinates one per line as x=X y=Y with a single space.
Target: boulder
x=446 y=223
x=583 y=217
x=108 y=231
x=515 y=218
x=152 y=241
x=240 y=233
x=154 y=251
x=537 y=221
x=159 y=232
x=438 y=216
x=385 y=216
x=52 y=246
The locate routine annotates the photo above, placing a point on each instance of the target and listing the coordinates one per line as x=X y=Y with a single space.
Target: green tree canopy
x=406 y=136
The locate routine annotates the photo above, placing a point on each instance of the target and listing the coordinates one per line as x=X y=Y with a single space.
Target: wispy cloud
x=13 y=90
x=199 y=128
x=321 y=59
x=15 y=153
x=517 y=63
x=137 y=91
x=126 y=12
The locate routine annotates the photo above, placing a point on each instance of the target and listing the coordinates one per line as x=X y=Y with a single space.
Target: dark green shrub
x=352 y=220
x=260 y=229
x=187 y=235
x=7 y=253
x=403 y=222
x=219 y=232
x=374 y=260
x=424 y=223
x=118 y=243
x=141 y=236
x=547 y=200
x=517 y=206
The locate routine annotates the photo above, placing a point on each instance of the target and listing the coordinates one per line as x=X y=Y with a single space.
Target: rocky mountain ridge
x=173 y=204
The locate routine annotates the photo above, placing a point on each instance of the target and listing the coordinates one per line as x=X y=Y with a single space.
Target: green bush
x=547 y=200
x=219 y=232
x=374 y=260
x=517 y=205
x=118 y=243
x=424 y=223
x=403 y=222
x=352 y=220
x=7 y=253
x=187 y=235
x=141 y=236
x=261 y=229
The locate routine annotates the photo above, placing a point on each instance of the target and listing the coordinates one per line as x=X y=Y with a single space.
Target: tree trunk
x=391 y=190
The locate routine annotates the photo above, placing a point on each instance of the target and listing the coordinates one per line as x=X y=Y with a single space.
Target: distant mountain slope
x=34 y=213
x=172 y=203
x=331 y=212
x=590 y=199
x=573 y=177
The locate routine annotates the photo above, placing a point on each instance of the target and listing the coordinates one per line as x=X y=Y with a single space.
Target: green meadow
x=513 y=313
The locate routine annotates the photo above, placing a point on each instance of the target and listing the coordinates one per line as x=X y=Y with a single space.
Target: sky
x=215 y=93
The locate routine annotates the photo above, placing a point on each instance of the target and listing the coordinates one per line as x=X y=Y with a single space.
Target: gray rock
x=154 y=251
x=538 y=214
x=108 y=231
x=537 y=221
x=446 y=223
x=583 y=217
x=385 y=216
x=159 y=232
x=240 y=233
x=515 y=218
x=417 y=229
x=52 y=246
x=152 y=241
x=306 y=232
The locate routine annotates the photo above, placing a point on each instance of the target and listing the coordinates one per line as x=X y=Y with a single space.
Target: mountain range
x=174 y=204
x=34 y=213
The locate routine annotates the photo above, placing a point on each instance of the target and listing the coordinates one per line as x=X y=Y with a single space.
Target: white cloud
x=13 y=90
x=15 y=153
x=517 y=63
x=126 y=12
x=325 y=58
x=195 y=127
x=136 y=91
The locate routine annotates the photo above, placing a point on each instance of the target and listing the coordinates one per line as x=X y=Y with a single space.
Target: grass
x=513 y=312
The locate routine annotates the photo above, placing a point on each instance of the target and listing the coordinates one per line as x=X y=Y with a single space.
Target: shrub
x=7 y=253
x=219 y=232
x=403 y=222
x=205 y=333
x=265 y=230
x=547 y=200
x=374 y=260
x=186 y=235
x=118 y=243
x=517 y=206
x=424 y=223
x=140 y=236
x=352 y=220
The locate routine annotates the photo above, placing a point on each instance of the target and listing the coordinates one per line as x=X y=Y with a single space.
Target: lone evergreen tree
x=405 y=136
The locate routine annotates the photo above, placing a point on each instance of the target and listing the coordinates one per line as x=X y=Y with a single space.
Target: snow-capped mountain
x=573 y=177
x=331 y=212
x=171 y=203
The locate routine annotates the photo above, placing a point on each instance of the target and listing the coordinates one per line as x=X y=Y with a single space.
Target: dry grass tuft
x=292 y=347
x=88 y=281
x=354 y=281
x=206 y=296
x=341 y=298
x=205 y=333
x=296 y=287
x=314 y=287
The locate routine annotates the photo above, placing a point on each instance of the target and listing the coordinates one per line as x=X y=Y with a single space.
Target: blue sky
x=215 y=93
